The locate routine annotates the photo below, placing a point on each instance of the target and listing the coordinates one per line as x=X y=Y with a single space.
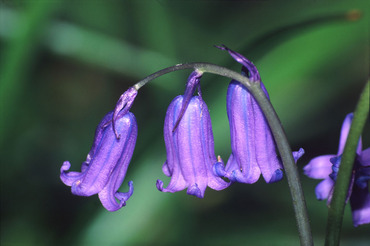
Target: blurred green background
x=64 y=65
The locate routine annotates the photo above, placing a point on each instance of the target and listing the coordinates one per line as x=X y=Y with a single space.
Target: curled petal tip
x=123 y=197
x=195 y=191
x=69 y=178
x=277 y=176
x=65 y=167
x=298 y=154
x=219 y=169
x=234 y=176
x=109 y=199
x=159 y=185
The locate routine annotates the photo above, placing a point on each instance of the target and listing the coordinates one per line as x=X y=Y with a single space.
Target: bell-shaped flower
x=190 y=146
x=106 y=164
x=252 y=144
x=327 y=166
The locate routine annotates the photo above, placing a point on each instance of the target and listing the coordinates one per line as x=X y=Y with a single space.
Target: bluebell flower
x=106 y=164
x=252 y=143
x=327 y=166
x=190 y=146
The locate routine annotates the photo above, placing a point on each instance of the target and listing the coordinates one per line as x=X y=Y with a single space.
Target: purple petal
x=360 y=205
x=276 y=176
x=127 y=128
x=70 y=177
x=365 y=157
x=298 y=154
x=362 y=177
x=268 y=162
x=172 y=165
x=111 y=152
x=85 y=164
x=242 y=164
x=107 y=119
x=108 y=199
x=190 y=154
x=124 y=196
x=319 y=167
x=324 y=188
x=344 y=134
x=219 y=169
x=195 y=191
x=193 y=149
x=214 y=181
x=166 y=169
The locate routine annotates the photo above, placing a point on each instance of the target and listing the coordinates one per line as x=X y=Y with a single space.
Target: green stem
x=338 y=202
x=290 y=167
x=277 y=130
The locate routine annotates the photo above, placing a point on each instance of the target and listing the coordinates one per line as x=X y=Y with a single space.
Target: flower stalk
x=285 y=151
x=337 y=205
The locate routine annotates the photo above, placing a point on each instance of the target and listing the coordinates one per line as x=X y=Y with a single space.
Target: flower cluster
x=326 y=167
x=191 y=161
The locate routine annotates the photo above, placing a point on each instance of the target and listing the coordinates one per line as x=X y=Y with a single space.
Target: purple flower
x=252 y=143
x=189 y=142
x=106 y=164
x=326 y=167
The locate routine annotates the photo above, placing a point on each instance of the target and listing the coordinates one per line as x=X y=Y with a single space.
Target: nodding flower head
x=189 y=142
x=106 y=164
x=326 y=167
x=252 y=144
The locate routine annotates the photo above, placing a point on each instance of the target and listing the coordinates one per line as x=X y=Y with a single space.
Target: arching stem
x=285 y=151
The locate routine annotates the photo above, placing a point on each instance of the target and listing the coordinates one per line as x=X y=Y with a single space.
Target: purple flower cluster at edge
x=326 y=167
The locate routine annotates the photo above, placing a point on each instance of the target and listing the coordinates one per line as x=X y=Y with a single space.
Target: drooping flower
x=327 y=166
x=189 y=142
x=106 y=164
x=252 y=144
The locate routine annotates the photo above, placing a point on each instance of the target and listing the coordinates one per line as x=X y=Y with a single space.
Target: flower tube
x=190 y=145
x=106 y=164
x=252 y=144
